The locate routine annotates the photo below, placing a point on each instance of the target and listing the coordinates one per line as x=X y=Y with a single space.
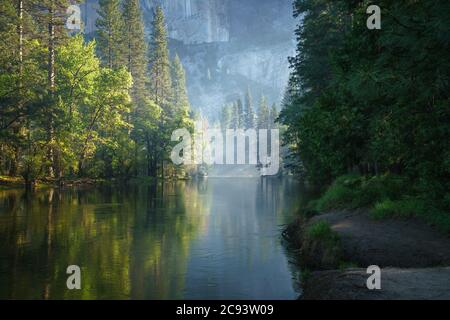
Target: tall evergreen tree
x=263 y=114
x=240 y=114
x=249 y=111
x=160 y=81
x=273 y=116
x=51 y=15
x=110 y=34
x=179 y=91
x=234 y=116
x=135 y=48
x=225 y=117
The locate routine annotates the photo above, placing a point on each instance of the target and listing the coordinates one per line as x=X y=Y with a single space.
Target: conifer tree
x=179 y=91
x=240 y=114
x=135 y=48
x=110 y=34
x=248 y=111
x=263 y=114
x=234 y=116
x=160 y=82
x=225 y=117
x=273 y=116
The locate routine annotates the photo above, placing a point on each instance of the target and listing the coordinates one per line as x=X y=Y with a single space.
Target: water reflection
x=206 y=239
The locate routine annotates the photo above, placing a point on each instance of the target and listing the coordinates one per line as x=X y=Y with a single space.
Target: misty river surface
x=199 y=239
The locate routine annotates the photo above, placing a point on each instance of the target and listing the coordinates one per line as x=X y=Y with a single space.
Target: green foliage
x=399 y=208
x=135 y=48
x=110 y=37
x=263 y=114
x=320 y=246
x=249 y=112
x=388 y=196
x=66 y=111
x=370 y=101
x=320 y=230
x=409 y=207
x=179 y=92
x=241 y=115
x=354 y=191
x=225 y=117
x=160 y=81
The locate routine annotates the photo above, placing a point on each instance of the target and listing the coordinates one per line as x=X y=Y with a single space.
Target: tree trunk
x=17 y=126
x=51 y=84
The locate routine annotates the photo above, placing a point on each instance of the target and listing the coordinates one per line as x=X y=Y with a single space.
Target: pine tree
x=240 y=114
x=52 y=18
x=273 y=116
x=234 y=116
x=110 y=34
x=160 y=82
x=248 y=111
x=135 y=48
x=225 y=118
x=263 y=114
x=179 y=91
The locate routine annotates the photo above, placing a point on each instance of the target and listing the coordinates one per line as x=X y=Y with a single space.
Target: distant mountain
x=225 y=46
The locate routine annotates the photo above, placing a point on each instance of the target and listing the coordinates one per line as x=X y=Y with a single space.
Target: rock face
x=225 y=46
x=193 y=21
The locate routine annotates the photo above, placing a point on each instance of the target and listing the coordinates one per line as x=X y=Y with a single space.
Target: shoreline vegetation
x=367 y=123
x=360 y=221
x=76 y=108
x=7 y=182
x=87 y=109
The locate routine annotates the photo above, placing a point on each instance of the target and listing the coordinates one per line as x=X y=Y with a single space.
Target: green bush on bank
x=321 y=247
x=409 y=207
x=387 y=196
x=320 y=230
x=355 y=191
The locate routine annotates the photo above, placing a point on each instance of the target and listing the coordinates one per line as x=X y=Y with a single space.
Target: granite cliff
x=225 y=45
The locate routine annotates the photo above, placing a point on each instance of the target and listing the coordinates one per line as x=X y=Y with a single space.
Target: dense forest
x=244 y=115
x=72 y=108
x=370 y=108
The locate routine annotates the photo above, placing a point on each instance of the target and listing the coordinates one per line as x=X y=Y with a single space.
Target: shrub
x=319 y=230
x=404 y=208
x=321 y=247
x=353 y=191
x=339 y=194
x=412 y=207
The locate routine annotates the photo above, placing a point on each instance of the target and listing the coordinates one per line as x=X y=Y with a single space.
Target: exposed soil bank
x=388 y=243
x=400 y=284
x=411 y=254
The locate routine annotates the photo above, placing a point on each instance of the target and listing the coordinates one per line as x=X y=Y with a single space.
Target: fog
x=225 y=46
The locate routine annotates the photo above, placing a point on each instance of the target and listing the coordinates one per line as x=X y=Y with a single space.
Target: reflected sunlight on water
x=207 y=239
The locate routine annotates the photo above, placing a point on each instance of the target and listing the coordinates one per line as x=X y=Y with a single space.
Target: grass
x=387 y=196
x=321 y=246
x=406 y=208
x=319 y=230
x=354 y=191
x=409 y=207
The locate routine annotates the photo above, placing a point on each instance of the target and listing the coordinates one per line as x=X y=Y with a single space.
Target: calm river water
x=207 y=239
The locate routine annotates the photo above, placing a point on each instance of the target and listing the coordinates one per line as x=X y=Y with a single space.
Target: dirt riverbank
x=413 y=256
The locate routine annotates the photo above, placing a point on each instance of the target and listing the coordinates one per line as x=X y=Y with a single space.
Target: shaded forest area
x=368 y=111
x=99 y=109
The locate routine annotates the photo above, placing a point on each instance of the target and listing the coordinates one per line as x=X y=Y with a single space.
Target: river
x=199 y=239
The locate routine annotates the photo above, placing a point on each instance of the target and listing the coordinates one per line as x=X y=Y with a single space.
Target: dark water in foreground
x=211 y=239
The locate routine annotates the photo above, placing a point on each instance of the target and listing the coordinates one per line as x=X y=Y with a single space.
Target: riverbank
x=18 y=182
x=335 y=248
